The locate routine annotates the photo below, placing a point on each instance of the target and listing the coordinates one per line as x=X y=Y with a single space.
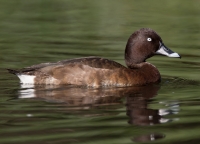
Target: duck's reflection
x=138 y=111
x=136 y=102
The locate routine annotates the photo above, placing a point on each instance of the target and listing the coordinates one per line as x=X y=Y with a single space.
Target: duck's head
x=144 y=44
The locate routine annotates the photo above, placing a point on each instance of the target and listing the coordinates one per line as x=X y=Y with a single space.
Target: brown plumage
x=96 y=72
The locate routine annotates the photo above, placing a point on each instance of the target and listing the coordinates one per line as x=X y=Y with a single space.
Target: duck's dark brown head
x=144 y=44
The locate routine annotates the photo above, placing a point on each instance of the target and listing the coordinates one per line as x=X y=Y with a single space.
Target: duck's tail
x=24 y=78
x=15 y=72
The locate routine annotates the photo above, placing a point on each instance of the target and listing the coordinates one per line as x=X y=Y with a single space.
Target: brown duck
x=97 y=72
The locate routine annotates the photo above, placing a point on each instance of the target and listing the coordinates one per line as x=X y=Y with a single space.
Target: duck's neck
x=133 y=62
x=135 y=66
x=133 y=57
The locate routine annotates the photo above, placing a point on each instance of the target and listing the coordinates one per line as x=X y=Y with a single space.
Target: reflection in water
x=136 y=102
x=148 y=137
x=140 y=114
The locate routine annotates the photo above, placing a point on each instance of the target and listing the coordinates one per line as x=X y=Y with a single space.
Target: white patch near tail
x=26 y=79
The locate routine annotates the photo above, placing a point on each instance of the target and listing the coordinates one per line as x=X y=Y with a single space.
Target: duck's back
x=89 y=71
x=95 y=62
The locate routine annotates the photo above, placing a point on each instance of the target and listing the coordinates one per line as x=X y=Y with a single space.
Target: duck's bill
x=163 y=50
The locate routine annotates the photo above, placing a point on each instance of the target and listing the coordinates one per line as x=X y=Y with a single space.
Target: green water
x=39 y=31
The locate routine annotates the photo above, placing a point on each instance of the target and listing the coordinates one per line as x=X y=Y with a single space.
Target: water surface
x=39 y=31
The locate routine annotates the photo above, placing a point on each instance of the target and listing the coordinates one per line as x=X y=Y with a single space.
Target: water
x=39 y=31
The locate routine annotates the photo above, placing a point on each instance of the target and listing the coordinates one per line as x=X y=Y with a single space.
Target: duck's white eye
x=149 y=39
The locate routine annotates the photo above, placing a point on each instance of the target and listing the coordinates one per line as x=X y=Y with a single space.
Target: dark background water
x=39 y=31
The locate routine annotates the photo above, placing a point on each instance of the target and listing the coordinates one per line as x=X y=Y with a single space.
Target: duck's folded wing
x=94 y=62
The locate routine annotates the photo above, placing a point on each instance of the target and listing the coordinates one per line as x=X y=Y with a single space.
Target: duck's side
x=90 y=71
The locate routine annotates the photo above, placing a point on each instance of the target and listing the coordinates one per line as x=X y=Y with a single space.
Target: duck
x=101 y=72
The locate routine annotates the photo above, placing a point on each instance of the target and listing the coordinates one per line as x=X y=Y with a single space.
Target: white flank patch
x=26 y=79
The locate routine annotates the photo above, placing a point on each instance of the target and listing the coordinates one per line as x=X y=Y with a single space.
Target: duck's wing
x=94 y=62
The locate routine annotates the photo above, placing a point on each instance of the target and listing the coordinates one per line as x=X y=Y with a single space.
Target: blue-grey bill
x=163 y=50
